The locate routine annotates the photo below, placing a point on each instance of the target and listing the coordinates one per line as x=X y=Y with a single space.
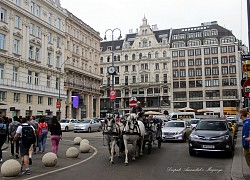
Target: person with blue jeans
x=245 y=134
x=42 y=135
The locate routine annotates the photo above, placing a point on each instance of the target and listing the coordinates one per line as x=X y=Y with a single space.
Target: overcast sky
x=127 y=14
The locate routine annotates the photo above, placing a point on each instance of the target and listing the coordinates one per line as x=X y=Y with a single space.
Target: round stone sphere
x=84 y=141
x=10 y=168
x=77 y=140
x=49 y=159
x=84 y=147
x=72 y=152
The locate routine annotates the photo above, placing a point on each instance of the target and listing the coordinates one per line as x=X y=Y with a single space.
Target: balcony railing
x=81 y=86
x=25 y=85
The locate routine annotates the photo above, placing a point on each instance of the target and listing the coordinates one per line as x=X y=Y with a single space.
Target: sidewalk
x=5 y=146
x=240 y=169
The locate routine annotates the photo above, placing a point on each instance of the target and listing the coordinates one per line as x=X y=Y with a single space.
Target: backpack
x=14 y=126
x=28 y=136
x=3 y=129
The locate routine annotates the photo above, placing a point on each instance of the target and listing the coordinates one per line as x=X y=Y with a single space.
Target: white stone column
x=98 y=106
x=86 y=100
x=91 y=105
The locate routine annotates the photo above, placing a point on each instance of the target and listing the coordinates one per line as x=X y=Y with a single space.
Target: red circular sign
x=246 y=88
x=58 y=104
x=112 y=95
x=132 y=102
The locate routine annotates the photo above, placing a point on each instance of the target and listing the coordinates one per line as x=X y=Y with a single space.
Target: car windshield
x=212 y=125
x=64 y=121
x=86 y=121
x=194 y=121
x=175 y=124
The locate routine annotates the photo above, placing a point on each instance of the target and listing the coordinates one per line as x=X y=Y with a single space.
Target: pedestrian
x=34 y=124
x=56 y=135
x=42 y=135
x=27 y=137
x=245 y=134
x=7 y=122
x=3 y=136
x=12 y=132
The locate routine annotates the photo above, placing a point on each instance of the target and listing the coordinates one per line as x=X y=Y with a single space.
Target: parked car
x=176 y=130
x=68 y=124
x=88 y=125
x=212 y=135
x=194 y=122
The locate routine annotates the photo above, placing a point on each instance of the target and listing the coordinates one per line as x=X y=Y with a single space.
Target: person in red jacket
x=42 y=135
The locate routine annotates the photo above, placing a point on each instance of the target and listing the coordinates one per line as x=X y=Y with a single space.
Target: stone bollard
x=84 y=147
x=84 y=141
x=49 y=159
x=10 y=168
x=77 y=140
x=72 y=152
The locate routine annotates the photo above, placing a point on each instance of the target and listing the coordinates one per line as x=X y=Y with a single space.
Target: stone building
x=197 y=67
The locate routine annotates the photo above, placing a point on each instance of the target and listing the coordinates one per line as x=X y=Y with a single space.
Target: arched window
x=126 y=57
x=140 y=55
x=146 y=31
x=149 y=43
x=149 y=55
x=118 y=58
x=142 y=31
x=164 y=54
x=108 y=58
x=139 y=44
x=133 y=57
x=114 y=58
x=156 y=54
x=101 y=59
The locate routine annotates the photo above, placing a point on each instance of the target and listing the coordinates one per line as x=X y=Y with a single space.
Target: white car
x=88 y=125
x=68 y=124
x=176 y=130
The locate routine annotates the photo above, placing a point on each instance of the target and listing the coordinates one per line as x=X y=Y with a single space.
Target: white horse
x=112 y=132
x=134 y=130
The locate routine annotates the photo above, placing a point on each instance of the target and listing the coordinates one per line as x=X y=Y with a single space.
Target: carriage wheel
x=159 y=143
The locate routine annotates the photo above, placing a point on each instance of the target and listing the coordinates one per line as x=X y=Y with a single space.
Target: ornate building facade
x=197 y=67
x=34 y=56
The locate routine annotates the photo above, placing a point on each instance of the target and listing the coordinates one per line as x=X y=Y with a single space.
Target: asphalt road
x=172 y=161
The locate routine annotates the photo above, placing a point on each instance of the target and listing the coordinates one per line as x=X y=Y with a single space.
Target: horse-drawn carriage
x=134 y=130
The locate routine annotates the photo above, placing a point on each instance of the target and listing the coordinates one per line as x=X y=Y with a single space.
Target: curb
x=240 y=169
x=5 y=146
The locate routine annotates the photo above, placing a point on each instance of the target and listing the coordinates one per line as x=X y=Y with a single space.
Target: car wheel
x=192 y=152
x=66 y=128
x=75 y=131
x=89 y=130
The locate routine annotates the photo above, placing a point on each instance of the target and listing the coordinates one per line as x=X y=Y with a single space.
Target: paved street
x=172 y=161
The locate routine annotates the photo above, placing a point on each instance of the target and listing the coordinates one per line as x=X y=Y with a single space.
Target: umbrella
x=204 y=110
x=186 y=109
x=153 y=113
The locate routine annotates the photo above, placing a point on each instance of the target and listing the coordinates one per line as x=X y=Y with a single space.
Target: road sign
x=246 y=88
x=132 y=102
x=112 y=95
x=58 y=104
x=246 y=57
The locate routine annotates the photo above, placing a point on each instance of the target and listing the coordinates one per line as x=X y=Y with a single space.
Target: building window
x=32 y=7
x=50 y=101
x=3 y=14
x=29 y=77
x=191 y=72
x=133 y=68
x=2 y=96
x=198 y=72
x=37 y=54
x=207 y=61
x=232 y=70
x=224 y=69
x=50 y=18
x=57 y=83
x=48 y=81
x=38 y=32
x=231 y=49
x=182 y=73
x=164 y=54
x=206 y=51
x=224 y=60
x=214 y=50
x=58 y=42
x=140 y=56
x=126 y=68
x=31 y=52
x=165 y=65
x=210 y=104
x=165 y=78
x=197 y=52
x=126 y=57
x=133 y=57
x=16 y=44
x=214 y=60
x=38 y=11
x=198 y=62
x=207 y=71
x=149 y=55
x=29 y=99
x=134 y=79
x=126 y=80
x=40 y=100
x=232 y=59
x=16 y=97
x=18 y=2
x=157 y=66
x=49 y=58
x=175 y=54
x=199 y=83
x=117 y=81
x=215 y=70
x=36 y=79
x=223 y=49
x=182 y=63
x=17 y=21
x=190 y=62
x=15 y=72
x=2 y=41
x=176 y=85
x=58 y=61
x=175 y=63
x=1 y=71
x=157 y=78
x=190 y=52
x=182 y=53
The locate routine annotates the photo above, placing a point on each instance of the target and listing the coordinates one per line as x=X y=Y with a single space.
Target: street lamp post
x=113 y=75
x=59 y=90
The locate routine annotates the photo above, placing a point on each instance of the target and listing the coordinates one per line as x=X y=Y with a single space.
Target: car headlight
x=193 y=136
x=224 y=137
